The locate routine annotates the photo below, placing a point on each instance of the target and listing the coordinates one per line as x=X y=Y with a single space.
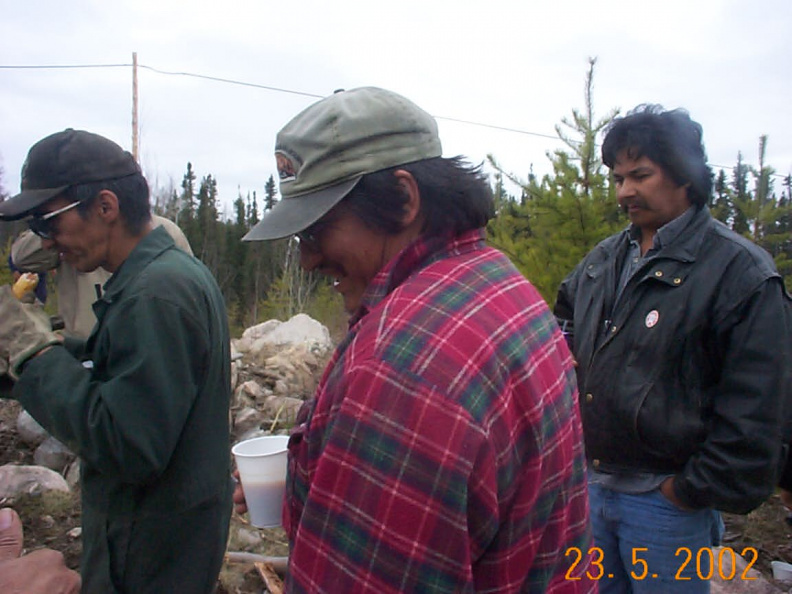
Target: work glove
x=24 y=331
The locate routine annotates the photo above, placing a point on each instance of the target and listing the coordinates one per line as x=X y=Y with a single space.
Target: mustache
x=635 y=202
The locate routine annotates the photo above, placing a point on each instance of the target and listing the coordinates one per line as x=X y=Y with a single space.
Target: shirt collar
x=666 y=234
x=417 y=255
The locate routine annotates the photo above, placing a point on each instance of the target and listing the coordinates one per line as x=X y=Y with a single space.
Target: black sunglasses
x=42 y=225
x=310 y=237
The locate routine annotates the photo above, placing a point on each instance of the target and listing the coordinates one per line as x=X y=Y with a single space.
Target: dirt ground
x=53 y=521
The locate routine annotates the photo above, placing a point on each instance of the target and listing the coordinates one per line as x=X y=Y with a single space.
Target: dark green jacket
x=149 y=421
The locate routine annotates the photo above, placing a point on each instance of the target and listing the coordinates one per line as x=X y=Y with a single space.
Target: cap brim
x=292 y=215
x=26 y=201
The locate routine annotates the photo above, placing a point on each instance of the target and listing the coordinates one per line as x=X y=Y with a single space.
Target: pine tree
x=252 y=211
x=270 y=194
x=720 y=203
x=741 y=199
x=186 y=207
x=565 y=213
x=207 y=243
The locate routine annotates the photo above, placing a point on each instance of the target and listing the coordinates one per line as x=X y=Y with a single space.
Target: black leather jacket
x=686 y=373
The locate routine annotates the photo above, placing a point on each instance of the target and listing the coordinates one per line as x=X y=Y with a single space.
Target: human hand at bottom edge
x=40 y=572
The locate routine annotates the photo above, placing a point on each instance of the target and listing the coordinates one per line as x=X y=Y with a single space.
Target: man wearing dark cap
x=144 y=401
x=443 y=450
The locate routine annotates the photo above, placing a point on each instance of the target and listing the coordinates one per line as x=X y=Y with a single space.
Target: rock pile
x=275 y=367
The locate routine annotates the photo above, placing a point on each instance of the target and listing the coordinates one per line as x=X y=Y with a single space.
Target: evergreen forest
x=545 y=230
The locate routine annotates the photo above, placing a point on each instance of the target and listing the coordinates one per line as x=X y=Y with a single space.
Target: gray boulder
x=30 y=432
x=16 y=480
x=53 y=454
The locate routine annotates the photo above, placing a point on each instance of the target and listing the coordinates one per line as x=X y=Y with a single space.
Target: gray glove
x=25 y=330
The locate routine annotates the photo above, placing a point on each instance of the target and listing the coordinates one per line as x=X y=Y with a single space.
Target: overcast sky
x=517 y=64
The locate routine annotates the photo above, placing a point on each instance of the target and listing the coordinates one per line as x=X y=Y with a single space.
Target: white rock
x=47 y=520
x=52 y=454
x=234 y=374
x=246 y=419
x=29 y=430
x=260 y=330
x=284 y=408
x=297 y=330
x=251 y=389
x=72 y=473
x=248 y=538
x=16 y=480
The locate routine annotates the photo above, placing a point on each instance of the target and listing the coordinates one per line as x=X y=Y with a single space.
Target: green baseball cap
x=324 y=151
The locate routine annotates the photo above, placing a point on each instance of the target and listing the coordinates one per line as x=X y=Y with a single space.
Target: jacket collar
x=684 y=243
x=149 y=248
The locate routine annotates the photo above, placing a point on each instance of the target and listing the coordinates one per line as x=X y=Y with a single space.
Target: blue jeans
x=649 y=546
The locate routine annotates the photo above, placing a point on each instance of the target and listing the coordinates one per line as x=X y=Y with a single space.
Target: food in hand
x=25 y=284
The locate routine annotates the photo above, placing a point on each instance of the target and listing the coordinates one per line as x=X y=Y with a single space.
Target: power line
x=61 y=66
x=281 y=90
x=498 y=127
x=254 y=85
x=232 y=82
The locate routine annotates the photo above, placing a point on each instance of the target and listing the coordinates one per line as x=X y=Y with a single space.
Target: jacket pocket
x=668 y=421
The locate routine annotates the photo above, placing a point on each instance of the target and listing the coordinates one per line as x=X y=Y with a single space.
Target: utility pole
x=134 y=108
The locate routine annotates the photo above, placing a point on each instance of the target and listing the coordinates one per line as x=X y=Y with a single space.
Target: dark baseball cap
x=64 y=159
x=323 y=152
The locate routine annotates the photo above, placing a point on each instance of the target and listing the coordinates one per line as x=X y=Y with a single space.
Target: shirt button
x=589 y=397
x=595 y=463
x=613 y=329
x=677 y=280
x=658 y=273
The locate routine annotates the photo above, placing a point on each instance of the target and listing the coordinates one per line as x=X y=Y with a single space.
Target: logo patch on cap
x=287 y=166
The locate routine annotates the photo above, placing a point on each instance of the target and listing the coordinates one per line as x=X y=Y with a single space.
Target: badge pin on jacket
x=651 y=318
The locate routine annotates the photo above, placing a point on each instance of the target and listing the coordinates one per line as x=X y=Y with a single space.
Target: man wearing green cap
x=144 y=401
x=443 y=449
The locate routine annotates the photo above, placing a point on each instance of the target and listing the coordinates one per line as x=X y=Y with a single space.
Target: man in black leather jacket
x=682 y=338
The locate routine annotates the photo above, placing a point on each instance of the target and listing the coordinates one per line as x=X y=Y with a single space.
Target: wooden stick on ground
x=271 y=579
x=278 y=563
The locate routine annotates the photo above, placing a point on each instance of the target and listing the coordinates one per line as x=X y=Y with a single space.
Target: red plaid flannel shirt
x=443 y=451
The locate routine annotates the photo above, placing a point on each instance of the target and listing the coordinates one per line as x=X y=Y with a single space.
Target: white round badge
x=651 y=318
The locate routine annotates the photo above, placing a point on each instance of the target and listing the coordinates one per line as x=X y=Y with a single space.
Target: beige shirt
x=77 y=291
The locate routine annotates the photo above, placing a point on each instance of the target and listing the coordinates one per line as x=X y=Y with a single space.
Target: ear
x=412 y=208
x=107 y=207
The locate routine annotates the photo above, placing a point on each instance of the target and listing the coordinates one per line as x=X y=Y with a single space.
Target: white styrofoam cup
x=261 y=462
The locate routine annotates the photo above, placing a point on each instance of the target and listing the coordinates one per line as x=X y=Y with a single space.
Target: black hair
x=669 y=138
x=133 y=199
x=455 y=197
